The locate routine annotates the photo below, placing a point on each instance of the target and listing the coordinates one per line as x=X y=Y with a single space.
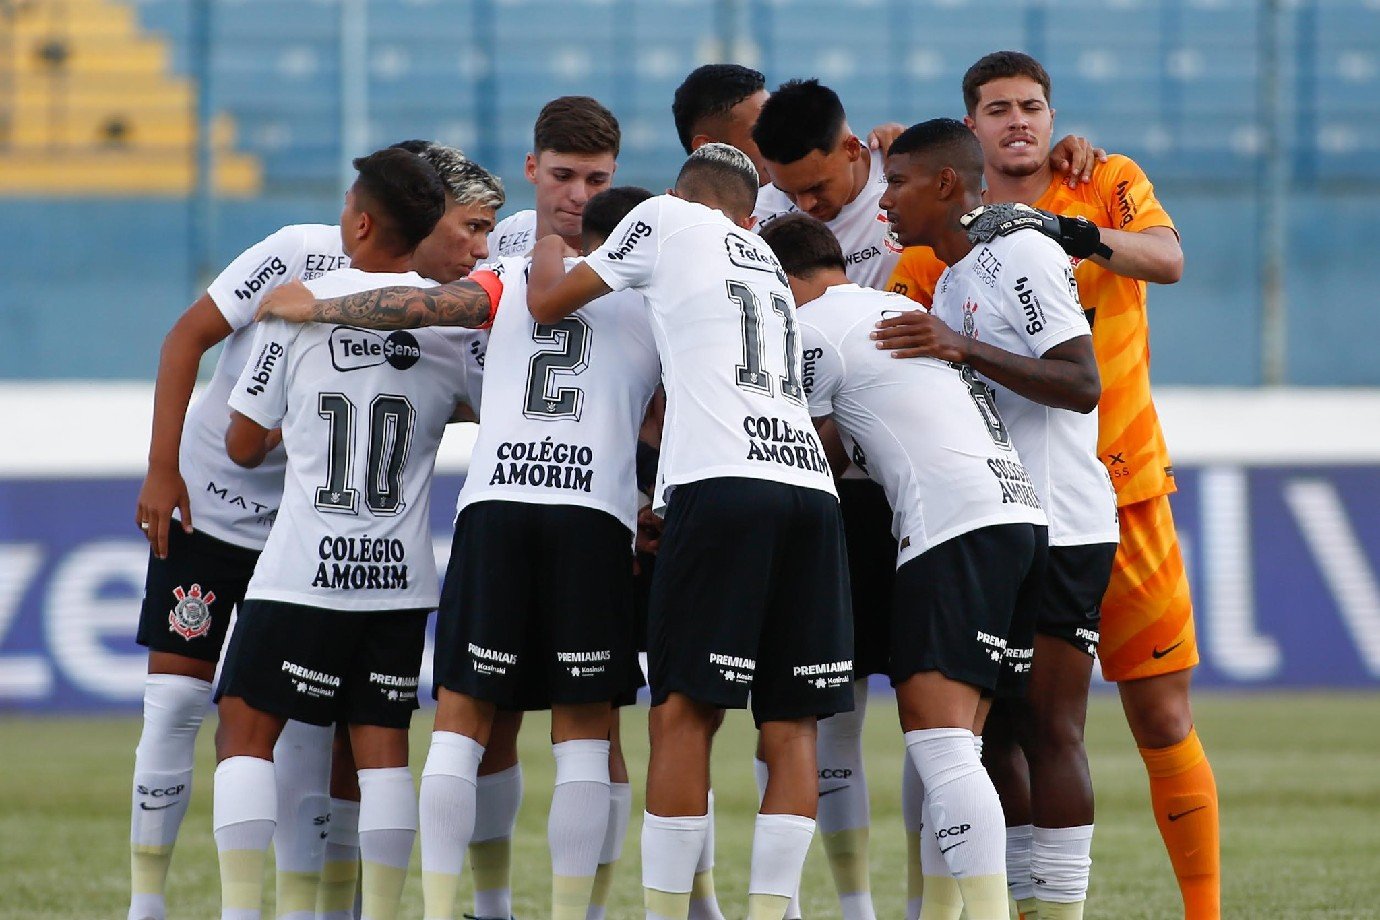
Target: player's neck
x=369 y=259
x=1029 y=189
x=953 y=243
x=811 y=288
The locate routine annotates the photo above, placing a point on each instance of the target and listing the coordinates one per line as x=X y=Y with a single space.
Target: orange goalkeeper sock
x=1183 y=794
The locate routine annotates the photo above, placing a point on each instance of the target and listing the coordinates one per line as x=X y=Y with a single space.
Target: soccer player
x=720 y=103
x=335 y=613
x=1008 y=304
x=750 y=589
x=970 y=540
x=553 y=484
x=1147 y=638
x=201 y=559
x=575 y=143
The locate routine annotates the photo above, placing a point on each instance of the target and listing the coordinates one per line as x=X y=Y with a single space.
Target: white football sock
x=844 y=817
x=302 y=770
x=335 y=898
x=245 y=810
x=780 y=844
x=448 y=807
x=491 y=848
x=967 y=816
x=1061 y=859
x=1018 y=842
x=704 y=899
x=762 y=775
x=174 y=707
x=671 y=848
x=913 y=816
x=387 y=830
x=577 y=822
x=620 y=811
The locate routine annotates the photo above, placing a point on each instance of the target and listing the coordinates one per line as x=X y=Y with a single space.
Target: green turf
x=1299 y=778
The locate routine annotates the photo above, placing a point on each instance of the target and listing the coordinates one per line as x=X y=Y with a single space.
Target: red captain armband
x=493 y=286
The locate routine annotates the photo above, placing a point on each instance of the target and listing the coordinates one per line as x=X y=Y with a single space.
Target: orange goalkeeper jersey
x=1129 y=440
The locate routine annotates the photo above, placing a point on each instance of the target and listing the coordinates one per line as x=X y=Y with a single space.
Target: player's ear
x=365 y=226
x=747 y=223
x=946 y=183
x=529 y=167
x=698 y=141
x=968 y=120
x=852 y=147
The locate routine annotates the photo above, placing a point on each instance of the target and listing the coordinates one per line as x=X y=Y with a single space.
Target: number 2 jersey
x=724 y=323
x=563 y=402
x=229 y=502
x=362 y=414
x=927 y=434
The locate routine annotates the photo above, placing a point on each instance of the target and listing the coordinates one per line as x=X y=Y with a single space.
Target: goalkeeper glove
x=1077 y=236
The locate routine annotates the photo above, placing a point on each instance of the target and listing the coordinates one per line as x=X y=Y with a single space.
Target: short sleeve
x=261 y=392
x=1130 y=197
x=1039 y=294
x=629 y=256
x=822 y=369
x=916 y=274
x=238 y=290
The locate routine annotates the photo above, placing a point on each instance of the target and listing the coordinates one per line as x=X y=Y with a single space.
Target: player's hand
x=881 y=137
x=291 y=301
x=553 y=243
x=163 y=490
x=649 y=528
x=1077 y=236
x=920 y=334
x=1076 y=156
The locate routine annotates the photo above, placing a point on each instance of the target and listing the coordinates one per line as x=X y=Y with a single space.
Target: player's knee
x=1158 y=720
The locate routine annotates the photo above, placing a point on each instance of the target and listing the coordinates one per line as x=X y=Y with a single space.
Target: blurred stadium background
x=144 y=143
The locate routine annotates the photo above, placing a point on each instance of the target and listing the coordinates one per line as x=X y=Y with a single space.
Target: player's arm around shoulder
x=1144 y=243
x=552 y=292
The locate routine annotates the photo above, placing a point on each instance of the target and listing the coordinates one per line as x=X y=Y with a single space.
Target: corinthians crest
x=191 y=617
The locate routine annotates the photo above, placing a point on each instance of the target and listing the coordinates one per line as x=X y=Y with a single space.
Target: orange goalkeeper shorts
x=1147 y=613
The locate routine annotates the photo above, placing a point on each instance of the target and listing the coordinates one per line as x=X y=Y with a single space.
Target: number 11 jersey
x=724 y=322
x=362 y=414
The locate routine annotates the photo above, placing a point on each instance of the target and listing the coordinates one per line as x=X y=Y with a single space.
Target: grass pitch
x=1299 y=777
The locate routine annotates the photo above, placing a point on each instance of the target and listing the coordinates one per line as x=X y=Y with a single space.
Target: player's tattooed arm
x=460 y=303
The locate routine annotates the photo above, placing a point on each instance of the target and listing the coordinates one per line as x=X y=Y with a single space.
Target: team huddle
x=829 y=408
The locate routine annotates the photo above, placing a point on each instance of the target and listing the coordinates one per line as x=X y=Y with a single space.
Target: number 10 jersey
x=362 y=414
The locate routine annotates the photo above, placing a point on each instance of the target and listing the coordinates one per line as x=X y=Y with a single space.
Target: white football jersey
x=861 y=227
x=229 y=502
x=1018 y=293
x=564 y=403
x=514 y=235
x=725 y=328
x=362 y=414
x=922 y=430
